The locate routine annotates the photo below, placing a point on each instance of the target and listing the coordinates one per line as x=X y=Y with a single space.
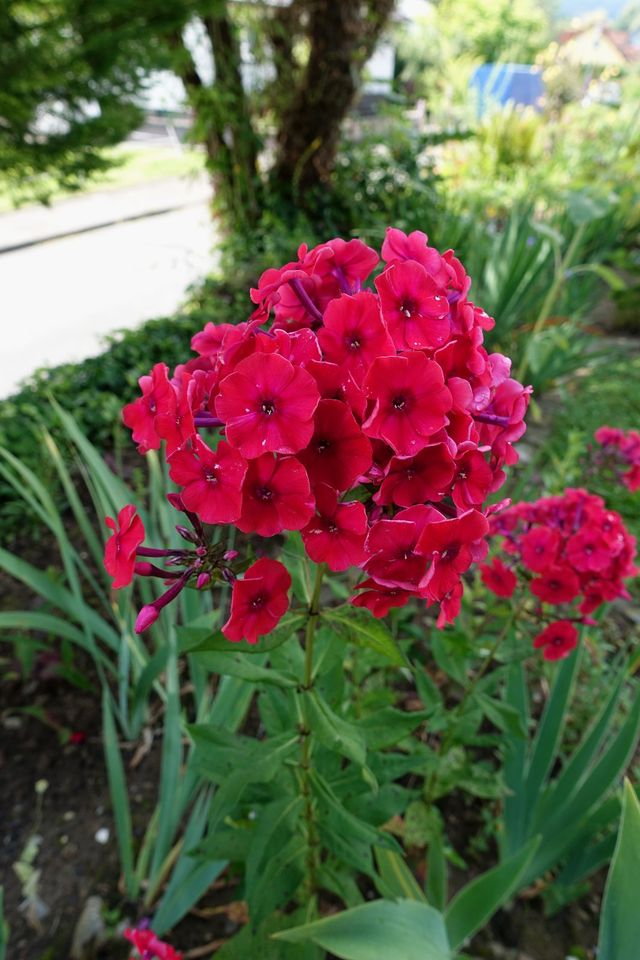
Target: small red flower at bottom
x=557 y=640
x=258 y=601
x=149 y=946
x=498 y=578
x=120 y=548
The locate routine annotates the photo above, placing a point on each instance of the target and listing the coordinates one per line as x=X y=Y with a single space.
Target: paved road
x=59 y=298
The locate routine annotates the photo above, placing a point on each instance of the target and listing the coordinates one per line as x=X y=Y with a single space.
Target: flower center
x=258 y=601
x=399 y=402
x=268 y=407
x=332 y=528
x=263 y=493
x=353 y=343
x=210 y=476
x=322 y=445
x=408 y=308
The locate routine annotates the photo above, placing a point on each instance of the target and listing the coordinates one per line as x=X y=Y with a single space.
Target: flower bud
x=146 y=618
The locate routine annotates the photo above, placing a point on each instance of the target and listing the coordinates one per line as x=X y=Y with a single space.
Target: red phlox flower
x=474 y=480
x=498 y=578
x=557 y=584
x=587 y=550
x=400 y=246
x=336 y=383
x=140 y=416
x=120 y=548
x=258 y=601
x=378 y=599
x=394 y=560
x=557 y=640
x=354 y=333
x=414 y=307
x=149 y=946
x=336 y=535
x=539 y=548
x=338 y=452
x=174 y=419
x=411 y=480
x=410 y=401
x=267 y=405
x=348 y=262
x=450 y=605
x=275 y=496
x=452 y=546
x=211 y=480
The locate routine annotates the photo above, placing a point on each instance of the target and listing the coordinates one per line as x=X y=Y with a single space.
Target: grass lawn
x=136 y=163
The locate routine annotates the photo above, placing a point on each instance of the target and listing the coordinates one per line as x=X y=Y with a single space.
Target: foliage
x=620 y=924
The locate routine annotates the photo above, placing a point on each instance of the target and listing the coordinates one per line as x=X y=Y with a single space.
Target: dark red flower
x=557 y=640
x=258 y=601
x=415 y=308
x=539 y=548
x=336 y=535
x=211 y=480
x=452 y=546
x=588 y=551
x=149 y=946
x=410 y=401
x=498 y=578
x=354 y=333
x=338 y=452
x=410 y=480
x=275 y=496
x=120 y=548
x=474 y=480
x=391 y=546
x=556 y=585
x=267 y=405
x=378 y=599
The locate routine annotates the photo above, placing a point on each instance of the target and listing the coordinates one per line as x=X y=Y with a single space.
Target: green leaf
x=236 y=665
x=362 y=628
x=502 y=714
x=204 y=639
x=436 y=885
x=119 y=795
x=387 y=726
x=332 y=731
x=396 y=881
x=476 y=903
x=620 y=919
x=404 y=930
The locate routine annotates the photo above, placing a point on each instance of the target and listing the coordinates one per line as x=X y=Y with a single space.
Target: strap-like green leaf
x=620 y=918
x=402 y=930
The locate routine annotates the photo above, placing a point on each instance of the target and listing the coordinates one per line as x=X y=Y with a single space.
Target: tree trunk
x=342 y=34
x=223 y=121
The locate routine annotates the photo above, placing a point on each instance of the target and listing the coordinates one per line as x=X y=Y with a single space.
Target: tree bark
x=342 y=35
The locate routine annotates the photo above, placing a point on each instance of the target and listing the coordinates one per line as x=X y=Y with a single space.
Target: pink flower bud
x=204 y=579
x=146 y=618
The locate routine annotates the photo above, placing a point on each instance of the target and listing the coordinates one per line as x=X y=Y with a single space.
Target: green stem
x=551 y=297
x=306 y=745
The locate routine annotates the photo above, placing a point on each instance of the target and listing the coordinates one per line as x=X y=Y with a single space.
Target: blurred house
x=595 y=44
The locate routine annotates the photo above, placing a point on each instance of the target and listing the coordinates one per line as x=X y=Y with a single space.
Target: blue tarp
x=501 y=83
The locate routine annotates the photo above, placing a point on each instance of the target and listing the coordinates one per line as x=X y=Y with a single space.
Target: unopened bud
x=204 y=579
x=176 y=501
x=186 y=534
x=230 y=555
x=146 y=618
x=228 y=575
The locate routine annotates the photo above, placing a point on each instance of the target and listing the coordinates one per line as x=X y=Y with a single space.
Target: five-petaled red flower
x=557 y=640
x=258 y=601
x=120 y=548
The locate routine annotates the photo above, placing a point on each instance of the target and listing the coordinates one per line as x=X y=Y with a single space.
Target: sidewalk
x=94 y=264
x=37 y=224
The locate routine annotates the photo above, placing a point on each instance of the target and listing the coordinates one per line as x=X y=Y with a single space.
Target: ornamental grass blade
x=620 y=917
x=476 y=903
x=515 y=759
x=119 y=796
x=404 y=929
x=396 y=881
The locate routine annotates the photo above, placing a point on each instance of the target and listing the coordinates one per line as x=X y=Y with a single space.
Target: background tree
x=72 y=73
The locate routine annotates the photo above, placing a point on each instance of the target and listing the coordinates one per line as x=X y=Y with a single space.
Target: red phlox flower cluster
x=572 y=553
x=373 y=421
x=622 y=448
x=149 y=946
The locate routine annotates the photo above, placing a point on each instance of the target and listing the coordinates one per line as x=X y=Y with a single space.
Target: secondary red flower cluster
x=149 y=947
x=375 y=423
x=622 y=448
x=571 y=552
